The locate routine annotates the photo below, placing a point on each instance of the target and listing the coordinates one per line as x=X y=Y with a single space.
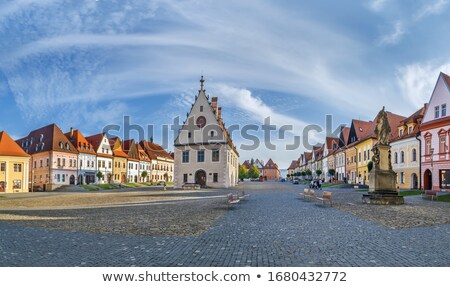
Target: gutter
x=418 y=134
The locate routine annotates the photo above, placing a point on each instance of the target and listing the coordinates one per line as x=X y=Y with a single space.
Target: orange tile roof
x=270 y=165
x=8 y=147
x=116 y=147
x=154 y=150
x=294 y=164
x=95 y=140
x=80 y=142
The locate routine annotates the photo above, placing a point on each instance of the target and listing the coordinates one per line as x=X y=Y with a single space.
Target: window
x=368 y=154
x=402 y=177
x=40 y=163
x=365 y=156
x=189 y=134
x=443 y=110
x=402 y=157
x=70 y=162
x=200 y=156
x=47 y=162
x=359 y=157
x=2 y=166
x=186 y=156
x=63 y=178
x=215 y=177
x=442 y=144
x=64 y=162
x=185 y=178
x=109 y=164
x=81 y=163
x=395 y=157
x=211 y=134
x=410 y=130
x=414 y=155
x=436 y=112
x=215 y=155
x=17 y=167
x=428 y=146
x=17 y=183
x=35 y=164
x=58 y=178
x=400 y=132
x=201 y=108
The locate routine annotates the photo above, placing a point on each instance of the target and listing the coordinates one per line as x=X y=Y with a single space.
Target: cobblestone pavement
x=272 y=228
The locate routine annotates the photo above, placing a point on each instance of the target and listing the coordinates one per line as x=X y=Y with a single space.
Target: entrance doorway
x=200 y=177
x=414 y=181
x=427 y=180
x=72 y=179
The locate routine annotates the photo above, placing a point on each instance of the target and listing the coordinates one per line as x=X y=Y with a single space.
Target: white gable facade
x=204 y=152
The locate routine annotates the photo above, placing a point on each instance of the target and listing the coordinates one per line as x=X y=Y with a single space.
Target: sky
x=87 y=64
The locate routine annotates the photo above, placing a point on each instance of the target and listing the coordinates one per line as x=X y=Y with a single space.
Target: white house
x=204 y=151
x=101 y=145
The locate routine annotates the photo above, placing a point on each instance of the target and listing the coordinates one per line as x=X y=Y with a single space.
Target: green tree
x=253 y=172
x=332 y=172
x=243 y=172
x=166 y=176
x=308 y=172
x=144 y=175
x=370 y=165
x=99 y=175
x=318 y=172
x=288 y=175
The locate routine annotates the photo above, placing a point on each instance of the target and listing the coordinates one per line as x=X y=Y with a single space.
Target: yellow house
x=119 y=161
x=14 y=166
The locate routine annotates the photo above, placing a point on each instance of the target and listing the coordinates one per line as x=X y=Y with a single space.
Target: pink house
x=435 y=138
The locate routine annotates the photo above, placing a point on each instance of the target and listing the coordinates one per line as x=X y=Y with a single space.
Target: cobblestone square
x=273 y=227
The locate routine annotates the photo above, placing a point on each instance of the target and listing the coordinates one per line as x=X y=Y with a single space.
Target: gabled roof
x=415 y=119
x=80 y=142
x=131 y=148
x=393 y=119
x=308 y=156
x=246 y=164
x=8 y=147
x=270 y=165
x=95 y=140
x=294 y=164
x=116 y=147
x=345 y=132
x=48 y=138
x=142 y=155
x=361 y=128
x=154 y=150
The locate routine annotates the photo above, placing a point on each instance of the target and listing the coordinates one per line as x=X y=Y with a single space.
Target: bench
x=241 y=195
x=191 y=186
x=308 y=194
x=232 y=199
x=326 y=196
x=430 y=193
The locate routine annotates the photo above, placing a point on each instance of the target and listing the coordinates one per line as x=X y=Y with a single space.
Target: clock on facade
x=201 y=121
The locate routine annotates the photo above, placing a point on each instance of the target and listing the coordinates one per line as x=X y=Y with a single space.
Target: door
x=414 y=181
x=200 y=177
x=72 y=179
x=427 y=180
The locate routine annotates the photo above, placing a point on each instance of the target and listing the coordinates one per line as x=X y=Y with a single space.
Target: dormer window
x=61 y=145
x=360 y=129
x=400 y=132
x=410 y=130
x=41 y=138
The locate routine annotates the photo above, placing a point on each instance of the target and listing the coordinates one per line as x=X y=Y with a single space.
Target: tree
x=370 y=165
x=243 y=172
x=144 y=174
x=99 y=175
x=332 y=172
x=318 y=172
x=253 y=172
x=166 y=176
x=288 y=175
x=303 y=173
x=308 y=172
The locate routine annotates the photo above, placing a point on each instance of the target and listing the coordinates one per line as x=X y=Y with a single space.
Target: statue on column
x=382 y=130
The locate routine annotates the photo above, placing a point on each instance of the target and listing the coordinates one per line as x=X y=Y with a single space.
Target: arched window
x=414 y=154
x=402 y=156
x=395 y=157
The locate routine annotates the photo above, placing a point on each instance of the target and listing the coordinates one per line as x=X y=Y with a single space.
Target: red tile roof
x=270 y=165
x=131 y=148
x=294 y=164
x=154 y=150
x=80 y=142
x=48 y=138
x=246 y=164
x=8 y=147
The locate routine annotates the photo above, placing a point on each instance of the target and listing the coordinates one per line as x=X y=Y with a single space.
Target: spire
x=201 y=83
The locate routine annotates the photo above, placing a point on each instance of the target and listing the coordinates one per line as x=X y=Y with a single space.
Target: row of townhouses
x=48 y=158
x=420 y=152
x=267 y=171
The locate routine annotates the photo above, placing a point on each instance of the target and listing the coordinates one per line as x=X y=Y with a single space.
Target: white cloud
x=377 y=5
x=394 y=36
x=434 y=8
x=417 y=81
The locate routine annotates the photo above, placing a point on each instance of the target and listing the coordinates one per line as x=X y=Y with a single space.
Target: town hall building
x=204 y=151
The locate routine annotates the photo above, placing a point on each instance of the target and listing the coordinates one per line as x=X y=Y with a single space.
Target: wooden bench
x=191 y=186
x=308 y=194
x=241 y=195
x=430 y=193
x=326 y=196
x=232 y=199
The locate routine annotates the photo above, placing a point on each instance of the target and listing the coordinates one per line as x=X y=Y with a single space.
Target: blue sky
x=88 y=63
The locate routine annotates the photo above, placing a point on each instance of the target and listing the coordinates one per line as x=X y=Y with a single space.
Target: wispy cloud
x=433 y=8
x=377 y=5
x=394 y=36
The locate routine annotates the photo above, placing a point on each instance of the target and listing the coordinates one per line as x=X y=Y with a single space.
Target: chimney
x=214 y=104
x=219 y=114
x=71 y=132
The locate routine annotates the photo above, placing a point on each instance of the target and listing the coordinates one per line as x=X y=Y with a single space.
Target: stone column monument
x=382 y=179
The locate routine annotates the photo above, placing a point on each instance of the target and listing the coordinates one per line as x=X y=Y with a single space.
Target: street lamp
x=431 y=152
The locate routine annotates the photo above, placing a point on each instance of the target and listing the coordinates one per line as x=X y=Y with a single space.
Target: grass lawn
x=130 y=184
x=410 y=192
x=89 y=187
x=331 y=184
x=146 y=183
x=1 y=196
x=444 y=198
x=106 y=186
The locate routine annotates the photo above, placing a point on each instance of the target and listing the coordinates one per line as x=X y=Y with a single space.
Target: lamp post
x=431 y=153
